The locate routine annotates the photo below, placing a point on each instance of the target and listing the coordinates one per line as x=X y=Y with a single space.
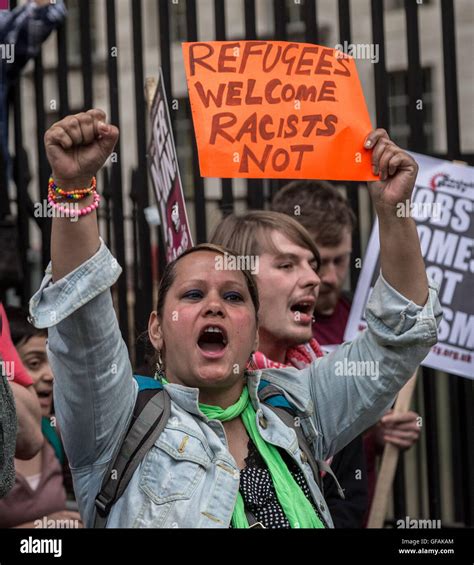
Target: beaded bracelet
x=63 y=210
x=74 y=194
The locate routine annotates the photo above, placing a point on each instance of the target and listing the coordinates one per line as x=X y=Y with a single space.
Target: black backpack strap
x=144 y=430
x=306 y=454
x=273 y=397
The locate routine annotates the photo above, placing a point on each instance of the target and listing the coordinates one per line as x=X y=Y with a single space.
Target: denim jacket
x=189 y=477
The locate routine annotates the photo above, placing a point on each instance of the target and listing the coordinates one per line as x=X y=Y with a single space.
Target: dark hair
x=169 y=275
x=20 y=329
x=319 y=207
x=250 y=234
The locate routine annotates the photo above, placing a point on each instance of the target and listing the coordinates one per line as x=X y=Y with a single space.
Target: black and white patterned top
x=258 y=492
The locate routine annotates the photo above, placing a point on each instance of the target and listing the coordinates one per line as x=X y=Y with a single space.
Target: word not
x=228 y=262
x=412 y=523
x=368 y=51
x=33 y=545
x=357 y=369
x=7 y=51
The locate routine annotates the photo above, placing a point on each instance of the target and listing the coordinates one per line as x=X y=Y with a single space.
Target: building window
x=398 y=107
x=178 y=27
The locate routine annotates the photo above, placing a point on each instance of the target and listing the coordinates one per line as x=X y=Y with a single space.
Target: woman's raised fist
x=78 y=146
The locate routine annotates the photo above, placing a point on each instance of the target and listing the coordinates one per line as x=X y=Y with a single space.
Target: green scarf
x=297 y=508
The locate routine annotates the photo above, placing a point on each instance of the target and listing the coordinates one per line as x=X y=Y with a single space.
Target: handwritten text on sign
x=277 y=109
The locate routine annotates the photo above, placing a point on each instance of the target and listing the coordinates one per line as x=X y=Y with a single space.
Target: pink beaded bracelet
x=68 y=211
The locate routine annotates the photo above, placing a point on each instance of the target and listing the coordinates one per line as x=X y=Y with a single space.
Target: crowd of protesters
x=225 y=457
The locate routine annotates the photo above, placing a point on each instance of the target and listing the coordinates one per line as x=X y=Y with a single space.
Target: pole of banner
x=150 y=89
x=388 y=466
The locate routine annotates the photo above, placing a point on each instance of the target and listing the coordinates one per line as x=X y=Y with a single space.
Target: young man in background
x=327 y=216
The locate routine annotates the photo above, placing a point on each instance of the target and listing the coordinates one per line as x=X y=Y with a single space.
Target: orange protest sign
x=267 y=109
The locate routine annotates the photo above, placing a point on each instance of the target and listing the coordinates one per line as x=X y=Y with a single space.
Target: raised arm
x=77 y=147
x=355 y=385
x=94 y=391
x=401 y=261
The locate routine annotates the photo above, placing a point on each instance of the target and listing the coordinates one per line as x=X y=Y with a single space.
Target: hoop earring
x=160 y=371
x=251 y=365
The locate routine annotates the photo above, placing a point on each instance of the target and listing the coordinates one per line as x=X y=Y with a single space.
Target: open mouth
x=45 y=398
x=212 y=339
x=303 y=307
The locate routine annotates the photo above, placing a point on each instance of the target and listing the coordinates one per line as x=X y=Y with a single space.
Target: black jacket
x=350 y=469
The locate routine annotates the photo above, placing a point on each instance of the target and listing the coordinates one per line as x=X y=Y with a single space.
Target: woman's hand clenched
x=78 y=146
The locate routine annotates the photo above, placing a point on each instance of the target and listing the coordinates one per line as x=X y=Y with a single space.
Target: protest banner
x=442 y=205
x=164 y=171
x=273 y=109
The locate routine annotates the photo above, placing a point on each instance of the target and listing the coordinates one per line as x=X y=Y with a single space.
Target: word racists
x=272 y=109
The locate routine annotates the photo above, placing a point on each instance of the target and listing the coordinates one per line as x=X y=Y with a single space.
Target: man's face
x=288 y=288
x=333 y=271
